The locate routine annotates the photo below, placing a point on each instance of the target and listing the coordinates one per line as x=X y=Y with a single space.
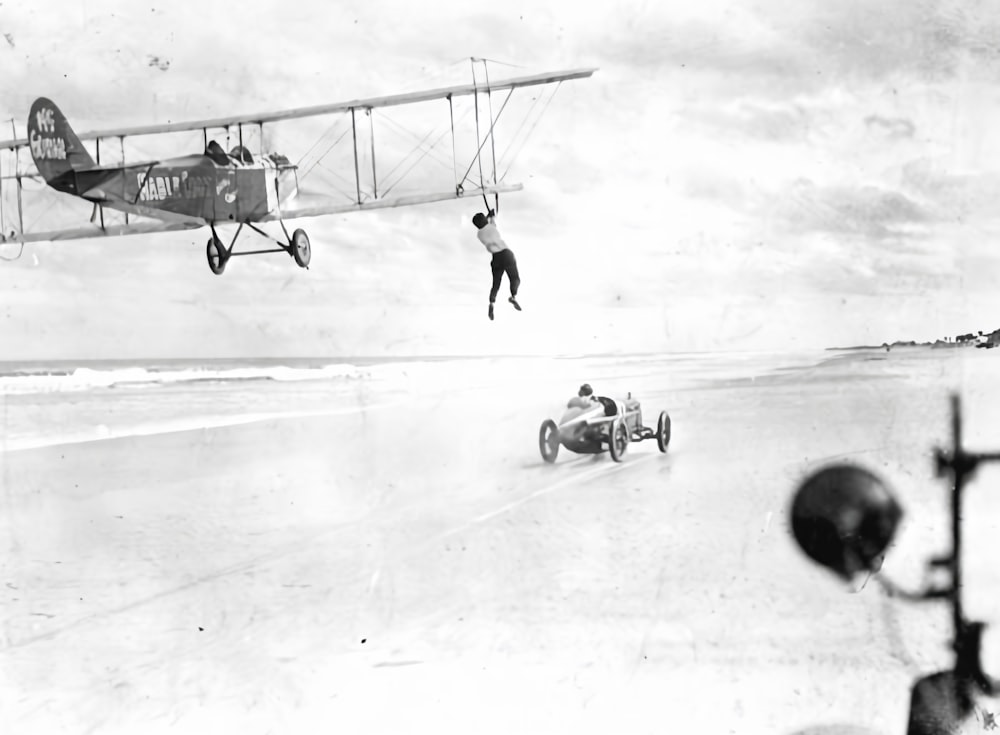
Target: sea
x=65 y=401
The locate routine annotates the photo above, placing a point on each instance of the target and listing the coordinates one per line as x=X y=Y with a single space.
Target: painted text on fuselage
x=159 y=188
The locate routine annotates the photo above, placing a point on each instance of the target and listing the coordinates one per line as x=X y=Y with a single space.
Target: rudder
x=55 y=148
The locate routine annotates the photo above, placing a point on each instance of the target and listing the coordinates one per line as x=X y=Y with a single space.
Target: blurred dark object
x=844 y=517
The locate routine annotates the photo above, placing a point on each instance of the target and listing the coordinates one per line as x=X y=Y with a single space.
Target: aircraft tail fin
x=56 y=149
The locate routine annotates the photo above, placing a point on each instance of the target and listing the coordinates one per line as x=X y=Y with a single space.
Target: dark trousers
x=504 y=262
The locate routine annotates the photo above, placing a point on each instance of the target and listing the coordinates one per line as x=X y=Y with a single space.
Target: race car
x=592 y=423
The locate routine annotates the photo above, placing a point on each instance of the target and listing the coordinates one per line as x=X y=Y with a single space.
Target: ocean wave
x=86 y=378
x=457 y=370
x=103 y=432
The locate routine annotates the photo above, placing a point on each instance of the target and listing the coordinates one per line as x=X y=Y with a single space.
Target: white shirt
x=489 y=236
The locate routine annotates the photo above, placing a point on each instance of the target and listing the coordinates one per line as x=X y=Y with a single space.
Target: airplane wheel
x=300 y=248
x=619 y=440
x=548 y=440
x=663 y=431
x=217 y=256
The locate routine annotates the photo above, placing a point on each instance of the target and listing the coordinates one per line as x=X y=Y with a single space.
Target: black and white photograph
x=487 y=368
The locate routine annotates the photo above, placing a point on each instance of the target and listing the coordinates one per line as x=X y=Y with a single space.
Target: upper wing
x=358 y=104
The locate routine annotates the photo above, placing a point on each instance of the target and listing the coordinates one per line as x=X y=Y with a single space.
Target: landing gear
x=300 y=248
x=297 y=246
x=217 y=255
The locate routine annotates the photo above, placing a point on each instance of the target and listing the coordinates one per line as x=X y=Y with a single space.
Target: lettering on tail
x=46 y=147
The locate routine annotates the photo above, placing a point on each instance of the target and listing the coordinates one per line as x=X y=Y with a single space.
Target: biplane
x=222 y=185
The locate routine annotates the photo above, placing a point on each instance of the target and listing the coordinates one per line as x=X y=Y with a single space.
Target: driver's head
x=479 y=220
x=585 y=390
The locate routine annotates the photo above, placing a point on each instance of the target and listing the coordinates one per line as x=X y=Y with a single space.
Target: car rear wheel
x=548 y=440
x=663 y=431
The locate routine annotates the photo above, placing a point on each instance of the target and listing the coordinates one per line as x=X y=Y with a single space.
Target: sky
x=735 y=176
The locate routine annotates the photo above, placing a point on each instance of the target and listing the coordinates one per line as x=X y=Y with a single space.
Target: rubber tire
x=548 y=440
x=216 y=255
x=663 y=431
x=301 y=250
x=618 y=440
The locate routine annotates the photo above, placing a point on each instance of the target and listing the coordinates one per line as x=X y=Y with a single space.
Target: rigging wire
x=403 y=131
x=493 y=140
x=475 y=94
x=319 y=140
x=495 y=61
x=352 y=197
x=532 y=129
x=420 y=141
x=321 y=157
x=509 y=94
x=412 y=165
x=520 y=127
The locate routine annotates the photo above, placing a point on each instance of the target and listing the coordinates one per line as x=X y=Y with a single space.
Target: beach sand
x=390 y=554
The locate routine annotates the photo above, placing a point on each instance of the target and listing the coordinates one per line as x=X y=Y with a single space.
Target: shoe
x=491 y=312
x=514 y=302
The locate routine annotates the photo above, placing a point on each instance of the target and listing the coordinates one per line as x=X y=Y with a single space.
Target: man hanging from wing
x=503 y=259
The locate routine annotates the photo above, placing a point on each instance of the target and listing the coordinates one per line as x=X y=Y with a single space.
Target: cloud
x=778 y=49
x=869 y=212
x=957 y=195
x=752 y=119
x=891 y=127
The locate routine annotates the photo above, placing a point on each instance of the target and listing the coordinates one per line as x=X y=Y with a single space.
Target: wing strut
x=20 y=204
x=121 y=141
x=357 y=172
x=3 y=222
x=17 y=175
x=97 y=206
x=20 y=207
x=371 y=129
x=454 y=154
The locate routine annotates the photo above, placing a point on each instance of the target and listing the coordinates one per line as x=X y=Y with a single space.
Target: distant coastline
x=980 y=340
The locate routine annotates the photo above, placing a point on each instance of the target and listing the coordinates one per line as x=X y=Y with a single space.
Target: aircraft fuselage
x=189 y=186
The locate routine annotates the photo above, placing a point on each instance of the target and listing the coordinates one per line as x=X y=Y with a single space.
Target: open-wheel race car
x=592 y=424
